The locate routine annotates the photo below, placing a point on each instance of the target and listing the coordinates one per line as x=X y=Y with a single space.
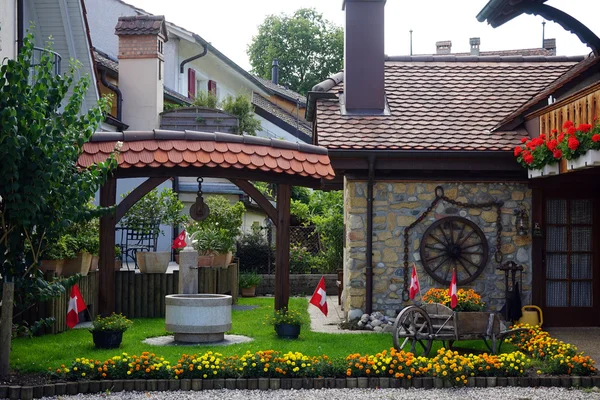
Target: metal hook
x=439 y=192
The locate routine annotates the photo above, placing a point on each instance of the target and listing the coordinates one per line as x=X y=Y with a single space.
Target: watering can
x=532 y=315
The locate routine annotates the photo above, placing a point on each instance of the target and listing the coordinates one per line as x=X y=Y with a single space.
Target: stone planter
x=153 y=262
x=249 y=292
x=205 y=261
x=222 y=259
x=52 y=265
x=94 y=264
x=287 y=331
x=78 y=265
x=107 y=339
x=590 y=159
x=548 y=170
x=198 y=318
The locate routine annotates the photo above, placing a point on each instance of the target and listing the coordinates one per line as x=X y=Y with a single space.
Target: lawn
x=38 y=353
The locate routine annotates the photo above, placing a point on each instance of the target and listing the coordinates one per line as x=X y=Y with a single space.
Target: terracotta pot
x=222 y=259
x=177 y=258
x=205 y=261
x=52 y=265
x=249 y=292
x=153 y=262
x=94 y=264
x=80 y=264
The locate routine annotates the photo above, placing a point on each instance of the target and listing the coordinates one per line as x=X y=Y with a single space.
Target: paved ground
x=329 y=324
x=586 y=339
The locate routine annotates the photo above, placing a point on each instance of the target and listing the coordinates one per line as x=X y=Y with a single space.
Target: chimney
x=474 y=42
x=443 y=47
x=364 y=57
x=141 y=69
x=550 y=44
x=275 y=72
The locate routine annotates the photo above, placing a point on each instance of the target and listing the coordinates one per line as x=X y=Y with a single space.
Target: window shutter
x=191 y=83
x=212 y=87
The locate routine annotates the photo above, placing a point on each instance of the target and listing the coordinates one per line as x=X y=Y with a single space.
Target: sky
x=229 y=25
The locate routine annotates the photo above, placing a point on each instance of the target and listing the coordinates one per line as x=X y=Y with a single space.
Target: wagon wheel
x=413 y=326
x=454 y=243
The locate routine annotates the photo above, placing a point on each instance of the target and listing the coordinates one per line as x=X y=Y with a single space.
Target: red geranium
x=561 y=137
x=573 y=143
x=524 y=139
x=518 y=150
x=552 y=144
x=596 y=138
x=557 y=154
x=584 y=127
x=528 y=158
x=571 y=130
x=554 y=131
x=567 y=124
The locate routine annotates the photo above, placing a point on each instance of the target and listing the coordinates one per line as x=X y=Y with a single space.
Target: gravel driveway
x=362 y=394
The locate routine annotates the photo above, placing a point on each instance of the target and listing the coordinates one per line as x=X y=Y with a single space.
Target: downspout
x=187 y=60
x=117 y=91
x=369 y=272
x=20 y=31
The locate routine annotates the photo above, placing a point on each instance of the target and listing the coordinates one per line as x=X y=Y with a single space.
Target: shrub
x=286 y=316
x=114 y=322
x=254 y=251
x=300 y=260
x=249 y=279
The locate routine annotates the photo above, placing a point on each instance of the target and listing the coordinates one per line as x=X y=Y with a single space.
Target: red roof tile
x=437 y=105
x=196 y=148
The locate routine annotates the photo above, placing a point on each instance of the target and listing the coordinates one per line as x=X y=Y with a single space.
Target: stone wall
x=398 y=204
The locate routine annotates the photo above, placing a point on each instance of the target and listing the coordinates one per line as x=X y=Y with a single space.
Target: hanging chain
x=199 y=180
x=439 y=195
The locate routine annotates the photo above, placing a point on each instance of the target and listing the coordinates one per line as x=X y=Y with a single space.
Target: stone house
x=413 y=146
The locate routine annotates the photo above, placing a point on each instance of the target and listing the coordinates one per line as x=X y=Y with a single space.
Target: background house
x=399 y=127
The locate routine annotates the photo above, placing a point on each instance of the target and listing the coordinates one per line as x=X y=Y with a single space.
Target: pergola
x=160 y=155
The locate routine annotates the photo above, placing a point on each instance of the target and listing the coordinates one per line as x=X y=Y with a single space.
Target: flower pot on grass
x=107 y=339
x=287 y=323
x=248 y=282
x=287 y=331
x=108 y=332
x=248 y=291
x=153 y=262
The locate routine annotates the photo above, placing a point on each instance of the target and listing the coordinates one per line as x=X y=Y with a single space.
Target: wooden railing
x=581 y=108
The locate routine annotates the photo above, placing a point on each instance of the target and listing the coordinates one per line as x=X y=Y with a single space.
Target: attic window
x=160 y=46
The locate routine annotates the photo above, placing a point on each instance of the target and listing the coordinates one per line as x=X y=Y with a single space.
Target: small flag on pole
x=319 y=297
x=414 y=283
x=179 y=241
x=452 y=290
x=76 y=305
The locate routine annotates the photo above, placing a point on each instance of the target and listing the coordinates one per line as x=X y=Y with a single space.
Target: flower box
x=548 y=170
x=588 y=160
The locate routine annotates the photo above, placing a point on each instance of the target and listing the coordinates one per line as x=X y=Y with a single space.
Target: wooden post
x=108 y=197
x=8 y=292
x=282 y=247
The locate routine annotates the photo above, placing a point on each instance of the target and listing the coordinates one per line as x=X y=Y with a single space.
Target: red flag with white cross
x=179 y=241
x=319 y=297
x=414 y=283
x=76 y=305
x=452 y=291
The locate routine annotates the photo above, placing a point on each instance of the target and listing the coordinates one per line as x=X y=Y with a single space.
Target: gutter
x=369 y=269
x=20 y=32
x=192 y=58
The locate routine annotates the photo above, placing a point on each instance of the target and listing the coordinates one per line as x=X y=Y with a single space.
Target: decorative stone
x=522 y=255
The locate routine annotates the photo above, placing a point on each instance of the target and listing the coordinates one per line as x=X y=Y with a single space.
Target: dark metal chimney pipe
x=275 y=72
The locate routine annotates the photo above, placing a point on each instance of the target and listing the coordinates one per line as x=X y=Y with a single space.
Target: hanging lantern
x=522 y=221
x=199 y=210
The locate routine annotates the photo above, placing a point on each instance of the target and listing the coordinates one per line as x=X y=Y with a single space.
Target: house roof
x=283 y=91
x=290 y=119
x=516 y=52
x=141 y=25
x=106 y=60
x=591 y=63
x=159 y=148
x=438 y=103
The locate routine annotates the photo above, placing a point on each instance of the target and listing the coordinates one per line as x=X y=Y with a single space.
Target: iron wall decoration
x=460 y=241
x=199 y=210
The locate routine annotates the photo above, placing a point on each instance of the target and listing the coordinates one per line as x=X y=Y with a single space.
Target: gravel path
x=363 y=394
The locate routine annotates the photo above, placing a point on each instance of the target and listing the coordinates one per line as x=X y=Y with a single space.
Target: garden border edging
x=82 y=387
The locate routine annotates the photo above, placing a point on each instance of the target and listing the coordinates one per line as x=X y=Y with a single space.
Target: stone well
x=198 y=318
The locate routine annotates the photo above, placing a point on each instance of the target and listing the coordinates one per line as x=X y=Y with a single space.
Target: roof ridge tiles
x=483 y=58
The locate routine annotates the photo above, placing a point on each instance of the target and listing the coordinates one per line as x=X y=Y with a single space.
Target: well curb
x=82 y=387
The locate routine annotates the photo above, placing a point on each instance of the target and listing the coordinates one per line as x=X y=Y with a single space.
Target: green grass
x=38 y=353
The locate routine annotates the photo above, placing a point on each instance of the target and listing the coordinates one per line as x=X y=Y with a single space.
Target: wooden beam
x=136 y=195
x=282 y=247
x=260 y=199
x=108 y=198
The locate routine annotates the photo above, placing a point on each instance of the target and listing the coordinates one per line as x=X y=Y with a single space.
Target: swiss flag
x=319 y=297
x=452 y=290
x=76 y=305
x=414 y=283
x=179 y=241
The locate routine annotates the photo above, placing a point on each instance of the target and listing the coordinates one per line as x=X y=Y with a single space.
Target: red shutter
x=212 y=87
x=191 y=83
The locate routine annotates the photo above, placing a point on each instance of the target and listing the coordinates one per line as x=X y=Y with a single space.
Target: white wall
x=102 y=18
x=8 y=29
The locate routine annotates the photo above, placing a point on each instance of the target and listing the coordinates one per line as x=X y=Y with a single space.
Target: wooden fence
x=136 y=295
x=143 y=295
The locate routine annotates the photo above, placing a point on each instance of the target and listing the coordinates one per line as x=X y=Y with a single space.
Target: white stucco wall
x=102 y=18
x=8 y=31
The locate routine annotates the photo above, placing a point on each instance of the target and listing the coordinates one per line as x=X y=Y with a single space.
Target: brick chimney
x=443 y=47
x=474 y=42
x=550 y=44
x=364 y=57
x=141 y=69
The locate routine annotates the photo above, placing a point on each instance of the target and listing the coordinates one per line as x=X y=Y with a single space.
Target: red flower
x=528 y=158
x=543 y=136
x=557 y=154
x=596 y=138
x=571 y=130
x=552 y=144
x=561 y=137
x=524 y=139
x=554 y=131
x=519 y=150
x=584 y=127
x=573 y=143
x=567 y=124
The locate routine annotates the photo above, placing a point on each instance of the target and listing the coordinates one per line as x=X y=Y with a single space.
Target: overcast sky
x=230 y=24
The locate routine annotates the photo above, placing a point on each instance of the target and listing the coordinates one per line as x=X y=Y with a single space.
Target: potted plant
x=145 y=217
x=248 y=282
x=227 y=219
x=540 y=155
x=207 y=241
x=287 y=323
x=108 y=332
x=54 y=256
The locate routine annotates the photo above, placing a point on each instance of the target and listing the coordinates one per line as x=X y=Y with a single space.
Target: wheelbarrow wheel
x=413 y=326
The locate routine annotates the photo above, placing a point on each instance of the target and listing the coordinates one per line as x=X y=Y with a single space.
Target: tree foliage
x=308 y=47
x=241 y=107
x=42 y=192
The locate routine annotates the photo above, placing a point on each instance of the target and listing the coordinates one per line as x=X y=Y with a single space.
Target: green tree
x=308 y=47
x=206 y=100
x=241 y=107
x=41 y=190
